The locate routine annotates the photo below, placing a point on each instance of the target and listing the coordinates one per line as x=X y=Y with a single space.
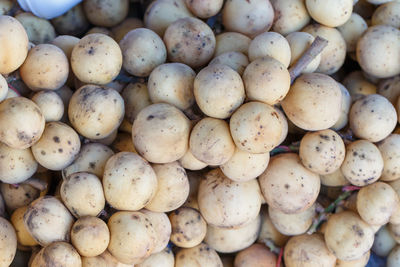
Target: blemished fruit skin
x=246 y=133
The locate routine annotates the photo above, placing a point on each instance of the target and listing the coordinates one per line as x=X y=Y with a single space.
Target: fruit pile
x=189 y=133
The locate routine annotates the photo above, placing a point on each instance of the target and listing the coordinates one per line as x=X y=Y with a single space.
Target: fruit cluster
x=188 y=133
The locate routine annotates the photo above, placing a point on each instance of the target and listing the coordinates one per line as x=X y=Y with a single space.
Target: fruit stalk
x=314 y=50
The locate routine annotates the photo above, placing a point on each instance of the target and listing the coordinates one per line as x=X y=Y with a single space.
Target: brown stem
x=36 y=183
x=314 y=50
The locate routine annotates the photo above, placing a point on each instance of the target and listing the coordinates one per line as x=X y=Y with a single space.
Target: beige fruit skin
x=218 y=91
x=82 y=193
x=249 y=18
x=268 y=230
x=92 y=158
x=189 y=162
x=161 y=133
x=51 y=105
x=256 y=127
x=235 y=60
x=387 y=14
x=201 y=255
x=334 y=54
x=313 y=246
x=188 y=227
x=299 y=185
x=96 y=112
x=132 y=236
x=334 y=179
x=162 y=227
x=229 y=240
x=96 y=59
x=352 y=30
x=3 y=88
x=270 y=44
x=347 y=236
x=292 y=224
x=231 y=42
x=172 y=83
x=255 y=255
x=48 y=220
x=215 y=196
x=390 y=89
x=313 y=102
x=172 y=187
x=45 y=68
x=14 y=47
x=58 y=146
x=210 y=141
x=293 y=16
x=358 y=86
x=106 y=13
x=372 y=118
x=322 y=152
x=204 y=8
x=331 y=13
x=58 y=254
x=244 y=166
x=8 y=242
x=18 y=197
x=345 y=109
x=126 y=26
x=389 y=148
x=379 y=58
x=90 y=236
x=16 y=165
x=142 y=51
x=129 y=181
x=184 y=45
x=361 y=262
x=23 y=236
x=162 y=13
x=376 y=203
x=22 y=122
x=136 y=97
x=363 y=163
x=164 y=258
x=266 y=80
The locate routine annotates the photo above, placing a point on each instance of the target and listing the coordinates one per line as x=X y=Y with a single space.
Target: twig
x=272 y=247
x=13 y=88
x=347 y=191
x=314 y=50
x=278 y=263
x=294 y=147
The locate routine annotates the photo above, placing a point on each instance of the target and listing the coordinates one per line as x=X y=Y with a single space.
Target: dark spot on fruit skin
x=60 y=150
x=287 y=186
x=77 y=228
x=91 y=50
x=56 y=139
x=358 y=230
x=325 y=137
x=150 y=117
x=43 y=152
x=92 y=165
x=24 y=137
